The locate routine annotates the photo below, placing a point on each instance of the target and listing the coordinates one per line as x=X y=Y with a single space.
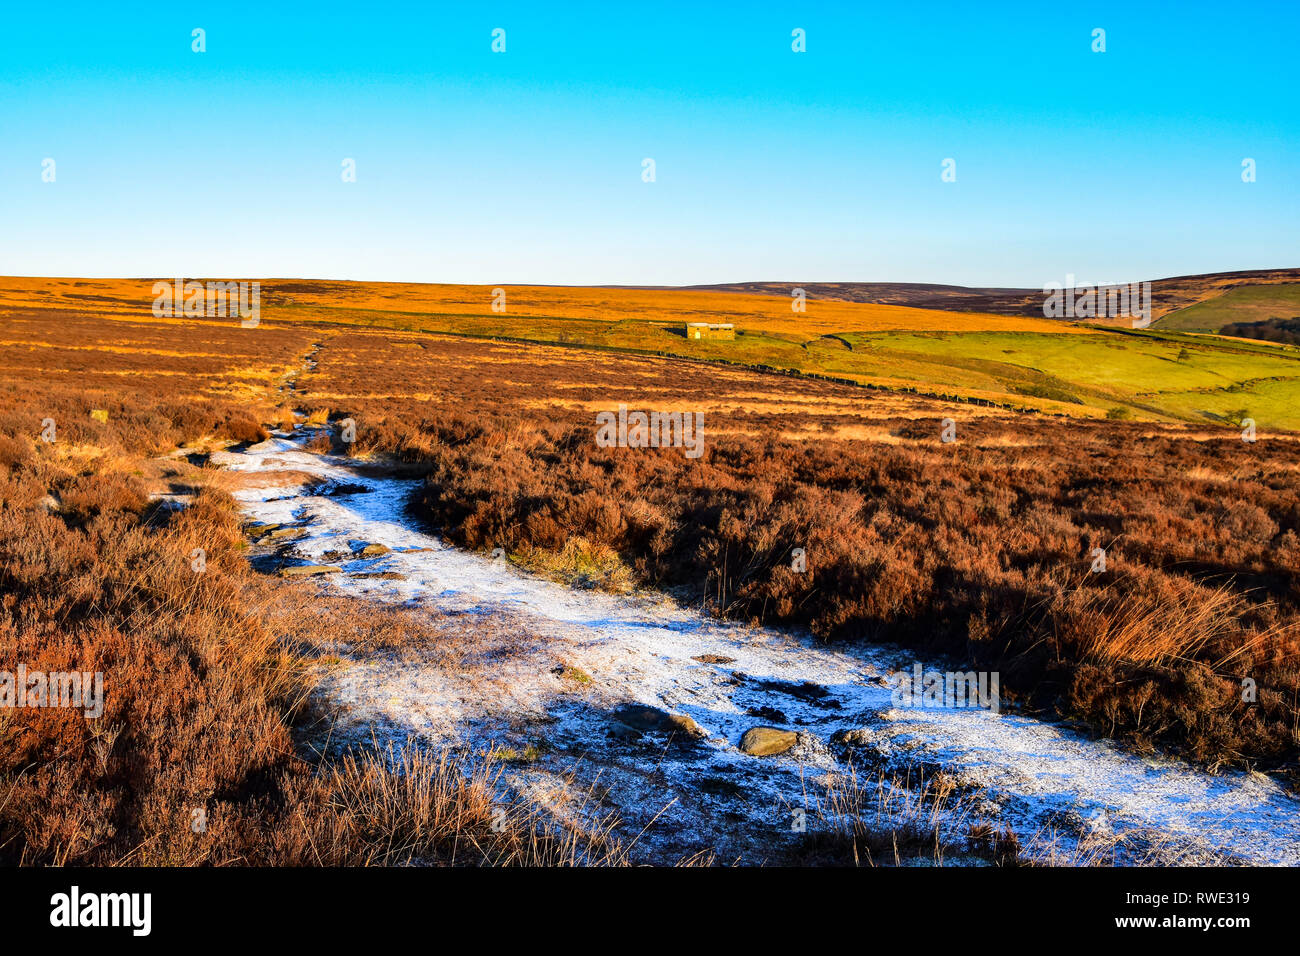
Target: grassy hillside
x=1194 y=378
x=1256 y=303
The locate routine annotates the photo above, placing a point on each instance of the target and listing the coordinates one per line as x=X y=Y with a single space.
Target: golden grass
x=1138 y=629
x=332 y=301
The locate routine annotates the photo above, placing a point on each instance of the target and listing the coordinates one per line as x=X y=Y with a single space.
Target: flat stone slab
x=280 y=533
x=308 y=570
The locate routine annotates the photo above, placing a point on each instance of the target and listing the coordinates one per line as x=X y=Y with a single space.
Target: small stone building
x=710 y=330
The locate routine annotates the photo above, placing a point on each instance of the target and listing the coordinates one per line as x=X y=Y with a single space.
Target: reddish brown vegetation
x=204 y=675
x=981 y=548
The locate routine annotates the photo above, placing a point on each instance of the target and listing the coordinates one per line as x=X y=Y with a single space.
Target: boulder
x=766 y=741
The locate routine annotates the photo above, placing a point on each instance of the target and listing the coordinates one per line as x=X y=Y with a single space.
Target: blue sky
x=525 y=166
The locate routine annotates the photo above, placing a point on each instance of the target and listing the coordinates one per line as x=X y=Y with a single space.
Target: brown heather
x=978 y=549
x=204 y=680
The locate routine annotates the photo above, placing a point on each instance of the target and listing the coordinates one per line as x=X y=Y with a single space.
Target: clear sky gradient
x=525 y=167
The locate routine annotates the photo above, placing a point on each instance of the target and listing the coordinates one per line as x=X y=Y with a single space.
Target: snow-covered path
x=1053 y=787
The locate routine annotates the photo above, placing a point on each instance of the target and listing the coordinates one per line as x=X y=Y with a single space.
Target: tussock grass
x=892 y=820
x=411 y=806
x=1113 y=626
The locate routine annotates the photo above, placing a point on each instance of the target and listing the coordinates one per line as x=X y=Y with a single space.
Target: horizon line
x=702 y=286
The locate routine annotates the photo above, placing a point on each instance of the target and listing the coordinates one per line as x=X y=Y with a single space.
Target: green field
x=1184 y=377
x=1254 y=303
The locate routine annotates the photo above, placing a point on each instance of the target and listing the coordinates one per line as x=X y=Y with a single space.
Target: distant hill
x=1168 y=295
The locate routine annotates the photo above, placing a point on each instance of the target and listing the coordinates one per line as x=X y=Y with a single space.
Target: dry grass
x=581 y=564
x=892 y=820
x=1118 y=628
x=410 y=806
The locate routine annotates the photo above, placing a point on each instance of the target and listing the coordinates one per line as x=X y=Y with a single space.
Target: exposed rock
x=282 y=533
x=858 y=737
x=714 y=659
x=332 y=489
x=385 y=575
x=222 y=458
x=623 y=732
x=766 y=741
x=373 y=551
x=807 y=691
x=644 y=717
x=767 y=713
x=172 y=502
x=307 y=570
